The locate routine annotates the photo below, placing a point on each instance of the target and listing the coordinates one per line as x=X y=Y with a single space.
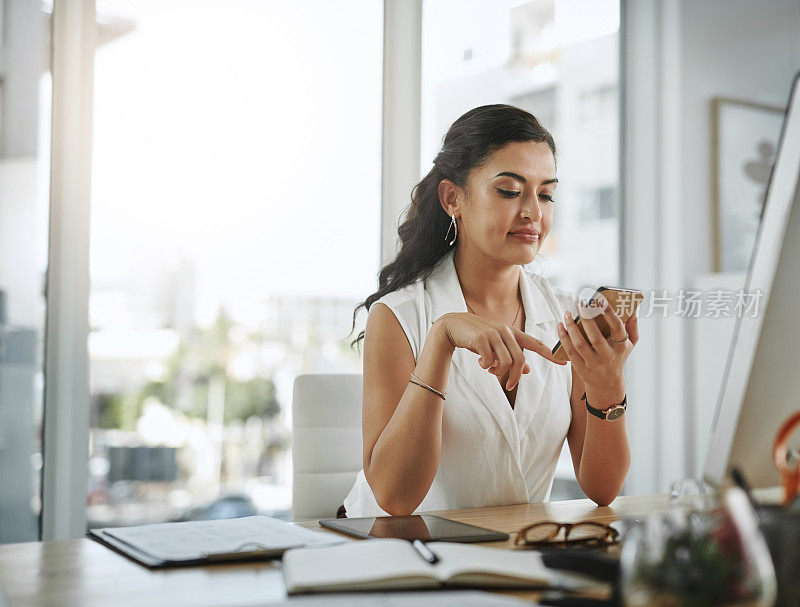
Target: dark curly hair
x=468 y=144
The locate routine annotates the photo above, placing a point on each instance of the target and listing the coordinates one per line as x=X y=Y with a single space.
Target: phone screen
x=623 y=301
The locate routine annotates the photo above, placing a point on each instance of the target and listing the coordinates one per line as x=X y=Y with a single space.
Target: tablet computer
x=425 y=527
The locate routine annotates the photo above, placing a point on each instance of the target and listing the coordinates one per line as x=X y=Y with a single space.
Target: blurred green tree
x=204 y=354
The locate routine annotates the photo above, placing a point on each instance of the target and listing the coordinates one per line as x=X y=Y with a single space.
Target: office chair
x=326 y=446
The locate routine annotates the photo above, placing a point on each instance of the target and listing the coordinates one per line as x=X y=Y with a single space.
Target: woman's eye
x=508 y=193
x=546 y=197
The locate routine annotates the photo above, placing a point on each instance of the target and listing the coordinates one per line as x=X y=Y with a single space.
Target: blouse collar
x=447 y=296
x=444 y=290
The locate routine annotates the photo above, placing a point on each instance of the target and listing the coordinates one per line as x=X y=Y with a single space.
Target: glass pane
x=235 y=226
x=557 y=59
x=25 y=95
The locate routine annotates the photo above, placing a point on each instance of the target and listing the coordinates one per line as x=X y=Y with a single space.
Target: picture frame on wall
x=744 y=145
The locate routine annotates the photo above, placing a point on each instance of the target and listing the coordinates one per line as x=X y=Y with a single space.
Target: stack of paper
x=197 y=542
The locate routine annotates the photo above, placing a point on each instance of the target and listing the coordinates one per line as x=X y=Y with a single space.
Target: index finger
x=613 y=319
x=533 y=344
x=632 y=327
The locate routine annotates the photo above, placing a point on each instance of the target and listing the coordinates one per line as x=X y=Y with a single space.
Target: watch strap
x=613 y=412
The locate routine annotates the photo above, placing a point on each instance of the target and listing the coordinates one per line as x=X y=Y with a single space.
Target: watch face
x=615 y=413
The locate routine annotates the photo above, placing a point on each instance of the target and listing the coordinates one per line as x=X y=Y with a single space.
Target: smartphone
x=623 y=301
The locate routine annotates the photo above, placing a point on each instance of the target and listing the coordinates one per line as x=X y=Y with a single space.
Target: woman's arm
x=600 y=450
x=402 y=423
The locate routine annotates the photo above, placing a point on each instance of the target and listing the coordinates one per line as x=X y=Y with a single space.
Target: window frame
x=65 y=442
x=658 y=420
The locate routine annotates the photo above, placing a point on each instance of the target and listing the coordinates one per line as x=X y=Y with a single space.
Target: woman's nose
x=533 y=211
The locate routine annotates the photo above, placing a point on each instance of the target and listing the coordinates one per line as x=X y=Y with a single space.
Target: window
x=599 y=105
x=597 y=204
x=235 y=227
x=25 y=102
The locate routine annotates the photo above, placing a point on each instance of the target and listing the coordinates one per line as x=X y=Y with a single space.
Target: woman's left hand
x=599 y=361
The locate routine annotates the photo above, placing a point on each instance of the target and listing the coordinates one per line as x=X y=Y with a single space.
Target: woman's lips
x=525 y=236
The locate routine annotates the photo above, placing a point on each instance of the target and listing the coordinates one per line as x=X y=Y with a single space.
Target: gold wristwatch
x=610 y=414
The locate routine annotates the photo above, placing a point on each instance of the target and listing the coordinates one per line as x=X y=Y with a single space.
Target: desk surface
x=83 y=572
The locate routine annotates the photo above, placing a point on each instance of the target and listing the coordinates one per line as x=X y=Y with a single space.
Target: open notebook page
x=355 y=564
x=461 y=559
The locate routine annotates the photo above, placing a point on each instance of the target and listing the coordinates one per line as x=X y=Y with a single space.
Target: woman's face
x=508 y=203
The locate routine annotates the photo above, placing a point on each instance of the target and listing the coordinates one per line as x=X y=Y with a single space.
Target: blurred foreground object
x=701 y=552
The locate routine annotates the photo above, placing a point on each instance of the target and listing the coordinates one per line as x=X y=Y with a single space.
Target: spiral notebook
x=199 y=542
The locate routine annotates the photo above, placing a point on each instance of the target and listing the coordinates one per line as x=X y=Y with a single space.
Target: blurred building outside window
x=235 y=227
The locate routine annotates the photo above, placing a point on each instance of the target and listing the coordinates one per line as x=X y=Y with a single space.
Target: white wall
x=678 y=55
x=745 y=50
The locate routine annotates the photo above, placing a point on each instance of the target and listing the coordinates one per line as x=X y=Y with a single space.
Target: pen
x=425 y=552
x=738 y=478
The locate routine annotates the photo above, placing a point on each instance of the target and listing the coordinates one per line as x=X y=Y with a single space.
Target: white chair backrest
x=326 y=443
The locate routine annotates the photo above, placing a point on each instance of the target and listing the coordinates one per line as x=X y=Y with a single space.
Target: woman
x=464 y=404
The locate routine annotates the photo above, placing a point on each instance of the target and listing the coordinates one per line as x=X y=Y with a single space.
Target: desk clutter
x=322 y=562
x=675 y=551
x=707 y=548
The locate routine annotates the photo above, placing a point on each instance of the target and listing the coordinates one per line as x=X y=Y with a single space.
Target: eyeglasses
x=585 y=533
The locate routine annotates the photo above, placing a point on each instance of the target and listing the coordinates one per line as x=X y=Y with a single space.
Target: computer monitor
x=761 y=383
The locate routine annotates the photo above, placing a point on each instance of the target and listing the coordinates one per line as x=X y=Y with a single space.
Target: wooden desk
x=82 y=572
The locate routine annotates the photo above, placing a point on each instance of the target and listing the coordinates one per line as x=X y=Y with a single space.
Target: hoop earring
x=452 y=225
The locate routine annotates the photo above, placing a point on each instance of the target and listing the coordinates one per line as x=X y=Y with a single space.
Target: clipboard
x=208 y=542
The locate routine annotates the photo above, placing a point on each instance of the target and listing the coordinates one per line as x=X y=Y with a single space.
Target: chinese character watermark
x=685 y=303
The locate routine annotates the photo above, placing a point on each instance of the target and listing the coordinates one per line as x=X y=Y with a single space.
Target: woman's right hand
x=499 y=346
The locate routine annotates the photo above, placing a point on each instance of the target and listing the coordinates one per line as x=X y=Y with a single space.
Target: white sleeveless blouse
x=491 y=454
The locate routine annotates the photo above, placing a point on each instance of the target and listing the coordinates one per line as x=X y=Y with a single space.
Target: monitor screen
x=761 y=383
